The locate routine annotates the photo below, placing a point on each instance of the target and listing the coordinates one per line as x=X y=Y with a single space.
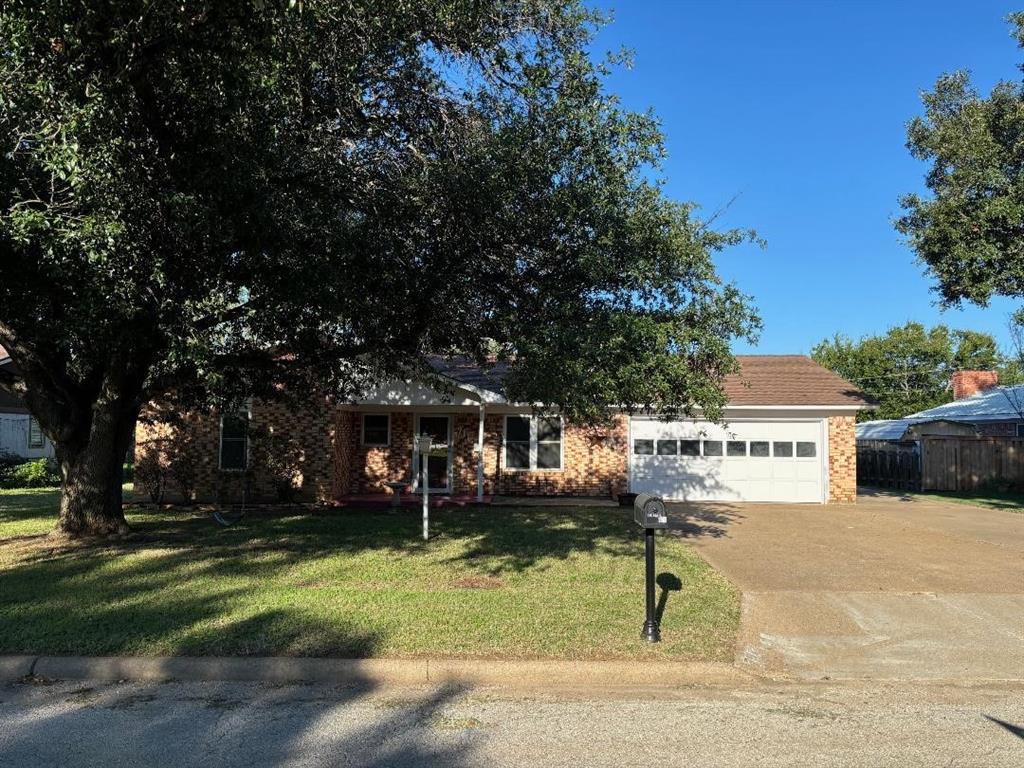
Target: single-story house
x=20 y=434
x=788 y=436
x=978 y=400
x=908 y=430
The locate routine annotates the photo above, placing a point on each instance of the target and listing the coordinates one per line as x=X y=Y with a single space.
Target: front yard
x=529 y=582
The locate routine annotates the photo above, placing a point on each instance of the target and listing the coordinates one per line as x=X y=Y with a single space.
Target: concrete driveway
x=893 y=587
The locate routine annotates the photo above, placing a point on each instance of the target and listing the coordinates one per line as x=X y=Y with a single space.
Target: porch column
x=480 y=457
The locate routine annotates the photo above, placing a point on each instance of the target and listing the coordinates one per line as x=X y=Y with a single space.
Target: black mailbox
x=649 y=512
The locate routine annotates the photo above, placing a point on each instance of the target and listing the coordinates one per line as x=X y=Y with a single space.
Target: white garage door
x=739 y=461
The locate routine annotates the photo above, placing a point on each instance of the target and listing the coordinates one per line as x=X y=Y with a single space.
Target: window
x=376 y=429
x=806 y=450
x=1020 y=430
x=517 y=442
x=689 y=447
x=549 y=442
x=234 y=440
x=667 y=447
x=35 y=434
x=758 y=448
x=783 y=450
x=643 y=447
x=736 y=448
x=712 y=447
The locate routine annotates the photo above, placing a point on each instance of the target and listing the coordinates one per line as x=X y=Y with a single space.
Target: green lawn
x=1013 y=502
x=529 y=582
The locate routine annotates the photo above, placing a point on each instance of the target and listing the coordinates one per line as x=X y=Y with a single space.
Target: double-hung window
x=376 y=429
x=533 y=442
x=35 y=434
x=234 y=440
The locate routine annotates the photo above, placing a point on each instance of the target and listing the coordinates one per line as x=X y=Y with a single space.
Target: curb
x=376 y=672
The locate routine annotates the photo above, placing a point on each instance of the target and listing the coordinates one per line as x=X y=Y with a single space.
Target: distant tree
x=970 y=232
x=213 y=199
x=908 y=369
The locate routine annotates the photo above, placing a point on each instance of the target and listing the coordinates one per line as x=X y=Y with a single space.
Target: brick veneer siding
x=595 y=458
x=842 y=459
x=310 y=426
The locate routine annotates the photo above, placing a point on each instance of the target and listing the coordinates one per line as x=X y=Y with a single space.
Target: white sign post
x=424 y=442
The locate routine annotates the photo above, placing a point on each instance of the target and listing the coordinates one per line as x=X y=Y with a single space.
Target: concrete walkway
x=890 y=588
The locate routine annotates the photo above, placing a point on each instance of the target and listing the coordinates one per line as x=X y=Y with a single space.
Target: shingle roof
x=763 y=380
x=789 y=380
x=996 y=404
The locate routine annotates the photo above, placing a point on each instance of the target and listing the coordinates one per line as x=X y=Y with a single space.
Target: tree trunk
x=90 y=503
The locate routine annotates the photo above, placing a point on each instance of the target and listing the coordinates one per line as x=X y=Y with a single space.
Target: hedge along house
x=787 y=436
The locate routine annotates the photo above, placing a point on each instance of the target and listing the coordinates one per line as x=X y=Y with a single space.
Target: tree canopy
x=969 y=233
x=247 y=197
x=908 y=369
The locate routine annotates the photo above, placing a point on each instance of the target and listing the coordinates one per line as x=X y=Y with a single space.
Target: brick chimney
x=969 y=383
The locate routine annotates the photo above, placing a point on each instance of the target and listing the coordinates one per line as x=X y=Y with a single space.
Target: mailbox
x=649 y=512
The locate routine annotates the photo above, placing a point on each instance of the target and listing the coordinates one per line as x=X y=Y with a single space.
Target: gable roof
x=995 y=404
x=764 y=380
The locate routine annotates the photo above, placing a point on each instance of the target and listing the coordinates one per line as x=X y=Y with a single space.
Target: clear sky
x=800 y=108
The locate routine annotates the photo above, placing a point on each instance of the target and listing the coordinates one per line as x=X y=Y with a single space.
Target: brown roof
x=788 y=380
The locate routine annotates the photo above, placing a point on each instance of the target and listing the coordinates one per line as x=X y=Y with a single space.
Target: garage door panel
x=780 y=476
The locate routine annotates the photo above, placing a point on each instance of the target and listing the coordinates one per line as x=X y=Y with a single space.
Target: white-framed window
x=533 y=442
x=35 y=434
x=376 y=429
x=234 y=439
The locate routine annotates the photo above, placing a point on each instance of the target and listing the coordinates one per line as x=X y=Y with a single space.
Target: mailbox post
x=423 y=443
x=649 y=514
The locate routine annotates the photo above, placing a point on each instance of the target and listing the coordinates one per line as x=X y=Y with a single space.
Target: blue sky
x=800 y=108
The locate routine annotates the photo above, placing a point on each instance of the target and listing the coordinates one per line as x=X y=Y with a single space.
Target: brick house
x=978 y=400
x=788 y=436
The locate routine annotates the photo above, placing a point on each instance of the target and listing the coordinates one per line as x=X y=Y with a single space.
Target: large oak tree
x=189 y=188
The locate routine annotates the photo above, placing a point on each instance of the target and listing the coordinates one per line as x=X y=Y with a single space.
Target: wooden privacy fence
x=970 y=463
x=886 y=464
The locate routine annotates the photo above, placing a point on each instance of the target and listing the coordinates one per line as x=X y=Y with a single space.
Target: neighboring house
x=978 y=400
x=20 y=434
x=788 y=437
x=905 y=430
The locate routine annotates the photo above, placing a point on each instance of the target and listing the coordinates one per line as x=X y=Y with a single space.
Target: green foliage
x=187 y=188
x=908 y=369
x=36 y=473
x=278 y=457
x=970 y=232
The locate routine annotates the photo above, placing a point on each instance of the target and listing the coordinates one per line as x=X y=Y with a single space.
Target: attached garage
x=782 y=460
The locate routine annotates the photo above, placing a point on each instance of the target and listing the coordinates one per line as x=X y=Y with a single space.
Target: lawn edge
x=370 y=673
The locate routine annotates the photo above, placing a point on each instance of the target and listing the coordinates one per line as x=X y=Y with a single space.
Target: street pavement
x=149 y=725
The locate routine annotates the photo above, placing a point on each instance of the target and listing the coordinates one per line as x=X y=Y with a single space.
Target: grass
x=1014 y=502
x=497 y=582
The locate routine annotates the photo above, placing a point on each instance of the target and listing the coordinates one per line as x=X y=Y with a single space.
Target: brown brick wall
x=842 y=459
x=309 y=426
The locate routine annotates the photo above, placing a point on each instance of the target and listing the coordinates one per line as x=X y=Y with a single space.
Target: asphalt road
x=240 y=724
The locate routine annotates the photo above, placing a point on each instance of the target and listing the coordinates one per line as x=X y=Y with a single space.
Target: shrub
x=151 y=471
x=37 y=473
x=279 y=458
x=183 y=459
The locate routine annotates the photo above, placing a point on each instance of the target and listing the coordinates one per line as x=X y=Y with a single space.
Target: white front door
x=780 y=461
x=439 y=465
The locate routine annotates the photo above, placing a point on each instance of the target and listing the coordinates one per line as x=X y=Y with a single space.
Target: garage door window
x=643 y=447
x=806 y=450
x=668 y=448
x=783 y=450
x=736 y=448
x=689 y=447
x=712 y=447
x=759 y=448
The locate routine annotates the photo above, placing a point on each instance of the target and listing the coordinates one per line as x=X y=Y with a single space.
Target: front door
x=439 y=467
